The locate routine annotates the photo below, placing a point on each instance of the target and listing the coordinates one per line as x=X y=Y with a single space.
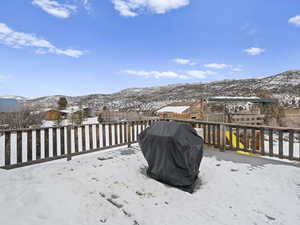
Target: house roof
x=181 y=104
x=243 y=99
x=173 y=109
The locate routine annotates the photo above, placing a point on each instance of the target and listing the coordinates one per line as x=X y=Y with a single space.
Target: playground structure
x=242 y=142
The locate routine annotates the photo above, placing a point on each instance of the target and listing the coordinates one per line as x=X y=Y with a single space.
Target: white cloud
x=184 y=61
x=199 y=73
x=254 y=51
x=217 y=66
x=295 y=20
x=237 y=69
x=55 y=8
x=156 y=74
x=20 y=39
x=131 y=8
x=170 y=74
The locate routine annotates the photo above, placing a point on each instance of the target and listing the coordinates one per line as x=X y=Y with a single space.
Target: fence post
x=69 y=156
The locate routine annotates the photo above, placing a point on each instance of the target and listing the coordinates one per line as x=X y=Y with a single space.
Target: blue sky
x=77 y=47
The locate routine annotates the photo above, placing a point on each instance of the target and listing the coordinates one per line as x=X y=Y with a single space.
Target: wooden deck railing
x=30 y=146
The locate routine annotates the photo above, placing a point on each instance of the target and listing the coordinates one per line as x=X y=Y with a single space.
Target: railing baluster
x=7 y=148
x=83 y=138
x=237 y=134
x=125 y=132
x=13 y=148
x=270 y=142
x=209 y=134
x=137 y=130
x=116 y=134
x=2 y=148
x=132 y=134
x=291 y=144
x=121 y=133
x=76 y=144
x=230 y=138
x=69 y=153
x=19 y=146
x=223 y=130
x=98 y=136
x=90 y=137
x=280 y=144
x=253 y=140
x=29 y=146
x=262 y=141
x=36 y=146
x=50 y=142
x=299 y=145
x=54 y=138
x=214 y=135
x=204 y=133
x=245 y=139
x=62 y=141
x=129 y=133
x=46 y=141
x=218 y=136
x=109 y=135
x=104 y=135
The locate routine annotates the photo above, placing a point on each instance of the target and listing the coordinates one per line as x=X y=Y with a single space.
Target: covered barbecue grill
x=173 y=151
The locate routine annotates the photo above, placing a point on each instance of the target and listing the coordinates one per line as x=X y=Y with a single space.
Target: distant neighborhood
x=262 y=109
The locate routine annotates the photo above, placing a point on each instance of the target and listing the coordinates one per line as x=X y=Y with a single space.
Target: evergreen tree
x=100 y=118
x=62 y=102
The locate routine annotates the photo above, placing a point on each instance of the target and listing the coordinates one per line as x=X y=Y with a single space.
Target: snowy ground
x=110 y=187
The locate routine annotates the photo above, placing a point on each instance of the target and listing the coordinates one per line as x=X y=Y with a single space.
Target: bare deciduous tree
x=24 y=117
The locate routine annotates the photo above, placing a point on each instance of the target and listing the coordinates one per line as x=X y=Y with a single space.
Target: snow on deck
x=111 y=187
x=173 y=109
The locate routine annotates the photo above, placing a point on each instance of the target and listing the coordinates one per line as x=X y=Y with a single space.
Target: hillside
x=285 y=85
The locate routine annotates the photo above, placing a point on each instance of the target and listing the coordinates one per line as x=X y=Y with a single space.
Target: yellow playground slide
x=234 y=140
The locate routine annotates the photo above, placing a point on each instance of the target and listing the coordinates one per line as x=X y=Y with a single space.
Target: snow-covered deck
x=111 y=187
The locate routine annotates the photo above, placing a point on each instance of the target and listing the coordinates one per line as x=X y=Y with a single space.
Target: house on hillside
x=182 y=110
x=53 y=114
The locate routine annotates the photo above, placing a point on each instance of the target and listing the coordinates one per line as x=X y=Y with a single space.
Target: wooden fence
x=248 y=119
x=30 y=146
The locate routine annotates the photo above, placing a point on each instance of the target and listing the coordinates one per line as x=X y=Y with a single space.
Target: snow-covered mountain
x=18 y=98
x=285 y=86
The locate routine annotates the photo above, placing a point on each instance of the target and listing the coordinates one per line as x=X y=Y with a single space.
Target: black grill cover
x=173 y=151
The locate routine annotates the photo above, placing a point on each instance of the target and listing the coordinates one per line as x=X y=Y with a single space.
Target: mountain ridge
x=285 y=86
